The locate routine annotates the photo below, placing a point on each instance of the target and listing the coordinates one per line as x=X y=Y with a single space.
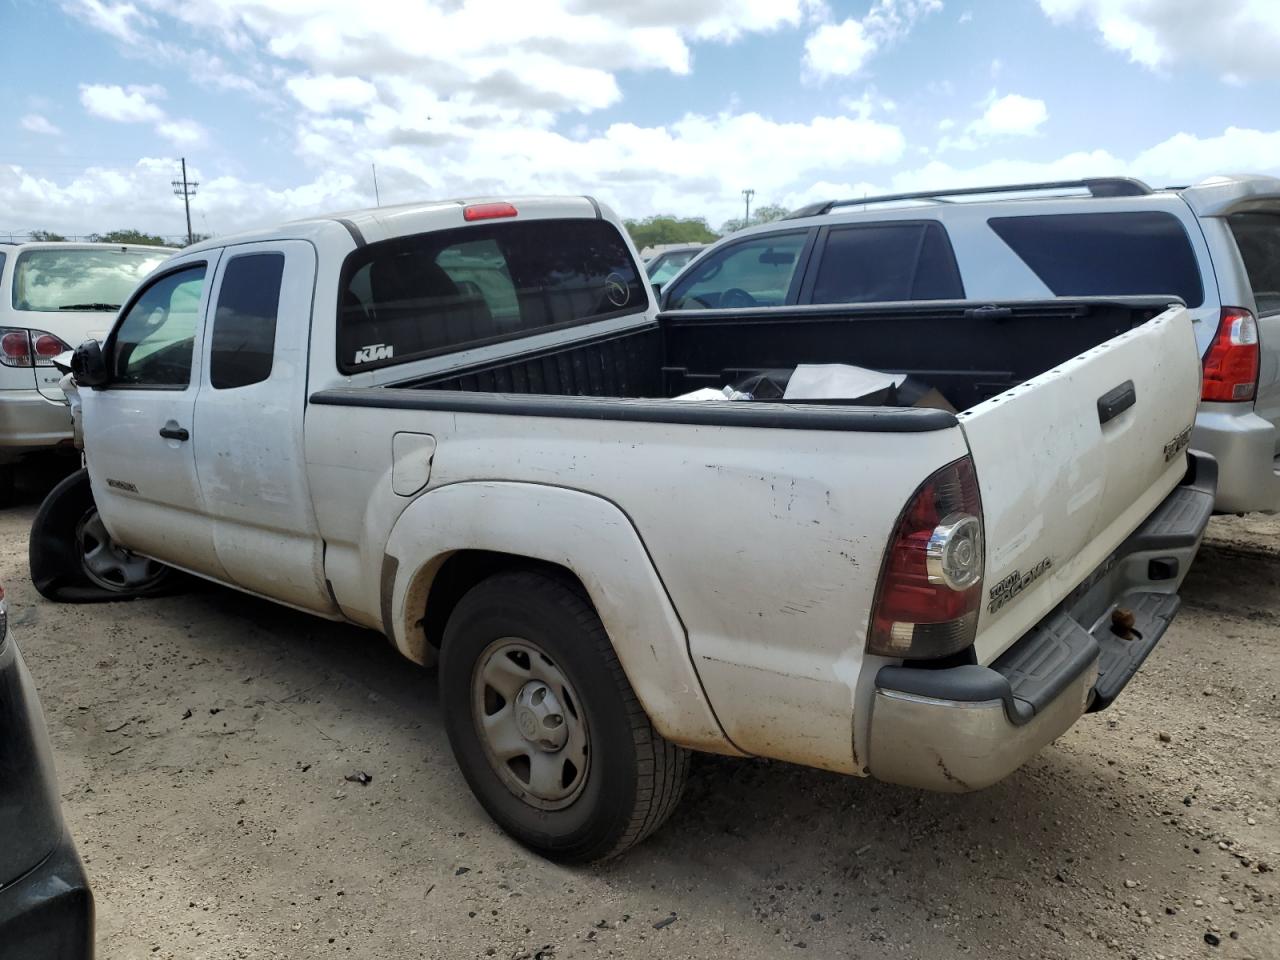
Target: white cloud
x=327 y=94
x=120 y=20
x=1012 y=115
x=1234 y=38
x=679 y=168
x=134 y=104
x=842 y=49
x=122 y=104
x=536 y=54
x=838 y=49
x=36 y=123
x=182 y=133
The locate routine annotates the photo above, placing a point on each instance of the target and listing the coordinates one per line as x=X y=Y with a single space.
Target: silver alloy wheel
x=108 y=565
x=529 y=721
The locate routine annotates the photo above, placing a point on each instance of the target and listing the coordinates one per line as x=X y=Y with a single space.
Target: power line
x=186 y=189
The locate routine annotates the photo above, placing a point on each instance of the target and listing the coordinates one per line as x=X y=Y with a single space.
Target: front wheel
x=545 y=726
x=73 y=558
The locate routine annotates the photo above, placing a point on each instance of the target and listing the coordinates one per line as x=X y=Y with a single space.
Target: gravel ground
x=203 y=743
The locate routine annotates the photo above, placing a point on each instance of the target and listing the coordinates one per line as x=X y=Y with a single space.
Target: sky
x=282 y=108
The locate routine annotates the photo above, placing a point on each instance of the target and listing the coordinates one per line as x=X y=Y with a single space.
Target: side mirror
x=88 y=365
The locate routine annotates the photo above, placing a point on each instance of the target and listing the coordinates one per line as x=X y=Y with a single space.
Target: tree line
x=117 y=236
x=664 y=228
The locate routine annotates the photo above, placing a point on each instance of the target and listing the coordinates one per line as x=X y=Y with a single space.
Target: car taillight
x=27 y=348
x=1231 y=363
x=931 y=584
x=15 y=347
x=47 y=346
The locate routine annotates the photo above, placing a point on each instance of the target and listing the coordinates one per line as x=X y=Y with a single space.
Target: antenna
x=377 y=200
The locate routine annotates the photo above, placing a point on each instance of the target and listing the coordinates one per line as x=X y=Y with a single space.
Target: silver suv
x=53 y=296
x=1216 y=245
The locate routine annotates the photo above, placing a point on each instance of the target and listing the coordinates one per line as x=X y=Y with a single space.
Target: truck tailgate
x=1072 y=461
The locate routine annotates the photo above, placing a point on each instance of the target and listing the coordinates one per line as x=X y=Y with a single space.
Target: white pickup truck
x=456 y=423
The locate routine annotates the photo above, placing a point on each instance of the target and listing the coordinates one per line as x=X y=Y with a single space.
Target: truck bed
x=968 y=351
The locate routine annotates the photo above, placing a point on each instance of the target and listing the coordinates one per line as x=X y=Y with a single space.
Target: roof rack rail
x=1097 y=187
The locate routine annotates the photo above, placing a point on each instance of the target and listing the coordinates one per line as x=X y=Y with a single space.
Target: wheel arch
x=452 y=537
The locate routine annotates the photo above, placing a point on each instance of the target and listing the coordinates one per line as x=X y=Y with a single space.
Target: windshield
x=80 y=280
x=666 y=265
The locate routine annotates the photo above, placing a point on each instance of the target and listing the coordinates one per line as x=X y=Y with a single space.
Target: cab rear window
x=430 y=293
x=1258 y=237
x=1137 y=253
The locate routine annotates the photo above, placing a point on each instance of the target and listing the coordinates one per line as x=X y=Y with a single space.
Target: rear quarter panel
x=768 y=541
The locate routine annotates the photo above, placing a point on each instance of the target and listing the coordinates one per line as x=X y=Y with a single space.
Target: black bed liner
x=968 y=350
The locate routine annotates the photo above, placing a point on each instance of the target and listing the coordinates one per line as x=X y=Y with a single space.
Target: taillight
x=28 y=348
x=47 y=346
x=931 y=585
x=15 y=347
x=487 y=211
x=1231 y=364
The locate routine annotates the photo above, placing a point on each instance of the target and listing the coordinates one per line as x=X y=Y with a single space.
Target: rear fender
x=585 y=534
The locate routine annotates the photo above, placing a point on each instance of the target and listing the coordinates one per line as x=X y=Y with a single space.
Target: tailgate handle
x=1116 y=401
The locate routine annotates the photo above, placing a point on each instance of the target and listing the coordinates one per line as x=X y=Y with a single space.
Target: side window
x=754 y=273
x=244 y=324
x=152 y=345
x=877 y=262
x=1258 y=239
x=429 y=293
x=1106 y=254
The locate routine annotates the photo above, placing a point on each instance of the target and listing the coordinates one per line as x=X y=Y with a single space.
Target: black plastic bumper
x=48 y=913
x=46 y=907
x=1113 y=619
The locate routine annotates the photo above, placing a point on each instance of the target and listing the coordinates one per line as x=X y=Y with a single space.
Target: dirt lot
x=203 y=740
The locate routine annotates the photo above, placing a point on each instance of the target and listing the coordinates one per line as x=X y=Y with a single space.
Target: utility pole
x=377 y=200
x=186 y=189
x=747 y=195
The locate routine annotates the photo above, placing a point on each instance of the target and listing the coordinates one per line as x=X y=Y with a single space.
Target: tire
x=66 y=529
x=631 y=779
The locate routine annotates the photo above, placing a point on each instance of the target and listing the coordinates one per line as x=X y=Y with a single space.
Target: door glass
x=754 y=273
x=887 y=261
x=153 y=344
x=244 y=325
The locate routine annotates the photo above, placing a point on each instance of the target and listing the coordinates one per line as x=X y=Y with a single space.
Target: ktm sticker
x=375 y=351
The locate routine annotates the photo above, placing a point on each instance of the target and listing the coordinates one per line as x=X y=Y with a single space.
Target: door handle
x=171 y=431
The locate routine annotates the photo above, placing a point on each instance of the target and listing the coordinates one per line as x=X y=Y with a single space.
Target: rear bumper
x=48 y=913
x=965 y=727
x=1244 y=444
x=46 y=907
x=30 y=422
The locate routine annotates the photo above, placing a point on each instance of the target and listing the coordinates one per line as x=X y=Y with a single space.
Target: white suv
x=53 y=296
x=1216 y=245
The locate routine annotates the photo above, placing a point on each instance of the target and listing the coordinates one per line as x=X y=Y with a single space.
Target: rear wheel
x=545 y=726
x=73 y=558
